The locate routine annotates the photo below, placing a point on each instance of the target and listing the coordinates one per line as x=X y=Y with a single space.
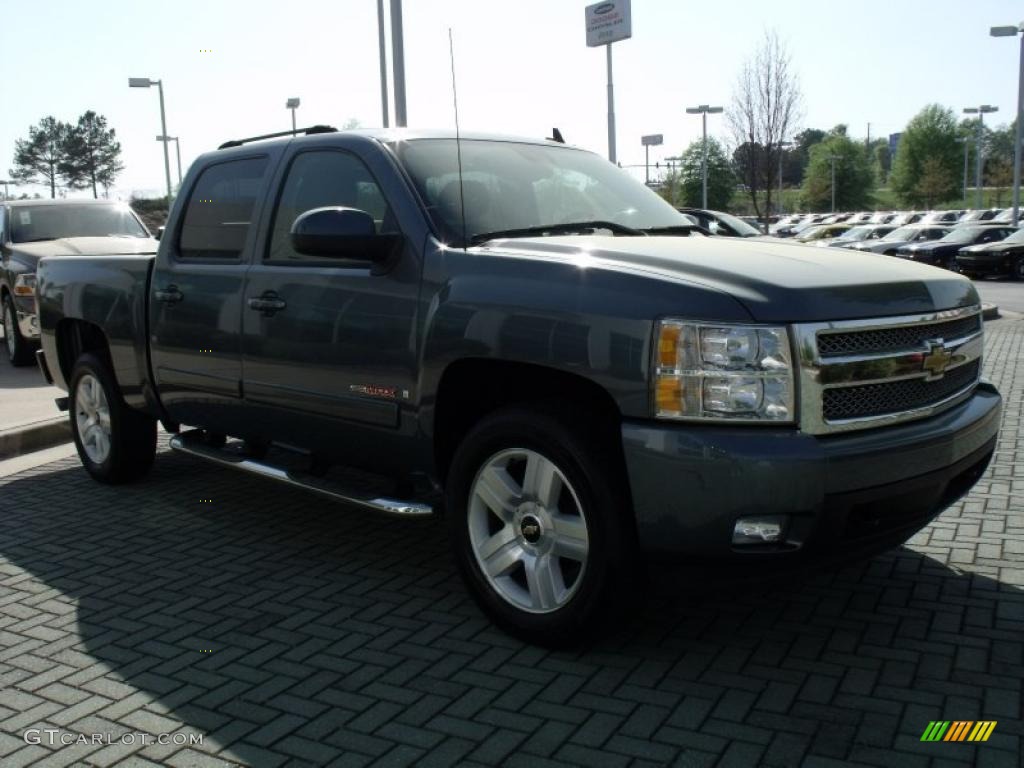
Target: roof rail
x=307 y=131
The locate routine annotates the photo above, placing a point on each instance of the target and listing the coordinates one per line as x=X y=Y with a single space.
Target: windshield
x=857 y=233
x=739 y=226
x=963 y=234
x=511 y=185
x=32 y=223
x=902 y=233
x=1016 y=237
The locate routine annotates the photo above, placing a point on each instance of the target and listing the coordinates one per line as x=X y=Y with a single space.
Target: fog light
x=759 y=530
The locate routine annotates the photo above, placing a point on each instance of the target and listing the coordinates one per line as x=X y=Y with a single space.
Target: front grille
x=889 y=397
x=899 y=338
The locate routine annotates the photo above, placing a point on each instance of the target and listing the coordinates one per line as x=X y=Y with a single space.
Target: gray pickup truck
x=517 y=334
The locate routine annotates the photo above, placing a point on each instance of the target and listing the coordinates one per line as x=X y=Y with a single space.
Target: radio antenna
x=458 y=140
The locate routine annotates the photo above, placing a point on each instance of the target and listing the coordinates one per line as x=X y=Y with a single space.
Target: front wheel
x=952 y=264
x=1017 y=268
x=540 y=527
x=115 y=443
x=19 y=351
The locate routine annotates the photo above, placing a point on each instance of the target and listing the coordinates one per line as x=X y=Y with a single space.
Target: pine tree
x=37 y=159
x=93 y=155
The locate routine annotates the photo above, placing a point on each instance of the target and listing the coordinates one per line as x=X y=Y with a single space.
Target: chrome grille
x=893 y=396
x=858 y=374
x=894 y=339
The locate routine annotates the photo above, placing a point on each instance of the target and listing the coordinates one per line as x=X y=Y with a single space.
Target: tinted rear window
x=220 y=209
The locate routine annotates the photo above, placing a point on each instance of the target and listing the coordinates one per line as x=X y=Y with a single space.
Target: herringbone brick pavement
x=289 y=631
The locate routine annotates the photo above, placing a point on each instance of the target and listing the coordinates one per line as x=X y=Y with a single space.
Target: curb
x=34 y=437
x=989 y=312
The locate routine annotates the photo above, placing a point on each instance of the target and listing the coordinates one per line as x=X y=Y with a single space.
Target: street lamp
x=145 y=82
x=1010 y=31
x=7 y=193
x=980 y=111
x=703 y=110
x=832 y=159
x=782 y=146
x=177 y=150
x=965 y=140
x=670 y=162
x=292 y=104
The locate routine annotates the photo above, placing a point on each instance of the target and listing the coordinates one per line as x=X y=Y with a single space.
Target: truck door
x=195 y=310
x=330 y=368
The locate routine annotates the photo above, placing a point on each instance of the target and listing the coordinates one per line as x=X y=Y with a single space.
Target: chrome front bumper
x=28 y=324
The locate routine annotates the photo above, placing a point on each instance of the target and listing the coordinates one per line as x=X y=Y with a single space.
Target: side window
x=220 y=210
x=319 y=179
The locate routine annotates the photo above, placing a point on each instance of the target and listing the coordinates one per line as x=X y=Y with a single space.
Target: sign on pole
x=654 y=140
x=608 y=22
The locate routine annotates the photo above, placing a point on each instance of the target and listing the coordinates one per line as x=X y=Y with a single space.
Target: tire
x=970 y=275
x=1017 y=268
x=19 y=349
x=952 y=264
x=560 y=567
x=115 y=443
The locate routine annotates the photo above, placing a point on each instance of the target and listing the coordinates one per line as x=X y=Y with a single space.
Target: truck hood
x=775 y=282
x=30 y=253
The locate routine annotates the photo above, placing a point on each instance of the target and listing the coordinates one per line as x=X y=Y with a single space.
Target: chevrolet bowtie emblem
x=937 y=359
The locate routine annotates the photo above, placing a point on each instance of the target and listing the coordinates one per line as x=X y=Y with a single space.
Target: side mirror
x=159 y=233
x=343 y=233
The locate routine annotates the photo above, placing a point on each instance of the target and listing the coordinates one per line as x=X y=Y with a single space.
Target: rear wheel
x=538 y=519
x=115 y=443
x=19 y=350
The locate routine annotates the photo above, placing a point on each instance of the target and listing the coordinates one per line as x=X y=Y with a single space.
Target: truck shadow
x=277 y=624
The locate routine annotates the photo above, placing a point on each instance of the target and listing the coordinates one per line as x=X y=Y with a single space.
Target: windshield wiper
x=678 y=229
x=36 y=240
x=558 y=229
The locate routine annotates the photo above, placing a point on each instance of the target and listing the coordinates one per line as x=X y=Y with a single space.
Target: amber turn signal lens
x=669 y=395
x=668 y=345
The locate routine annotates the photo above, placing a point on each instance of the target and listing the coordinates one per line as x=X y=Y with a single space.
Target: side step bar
x=194 y=447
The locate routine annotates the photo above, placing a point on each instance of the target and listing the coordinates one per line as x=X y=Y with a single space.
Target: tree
x=854 y=175
x=933 y=186
x=721 y=179
x=932 y=133
x=37 y=158
x=92 y=154
x=1000 y=176
x=766 y=104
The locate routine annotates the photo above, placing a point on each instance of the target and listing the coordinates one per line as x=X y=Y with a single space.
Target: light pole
x=398 y=62
x=980 y=111
x=145 y=82
x=7 y=192
x=383 y=62
x=703 y=110
x=293 y=104
x=652 y=140
x=1010 y=31
x=832 y=159
x=670 y=162
x=782 y=151
x=965 y=141
x=177 y=152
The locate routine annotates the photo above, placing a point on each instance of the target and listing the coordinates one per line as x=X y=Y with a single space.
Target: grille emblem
x=937 y=359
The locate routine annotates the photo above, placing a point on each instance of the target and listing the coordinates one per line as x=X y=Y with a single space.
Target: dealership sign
x=608 y=22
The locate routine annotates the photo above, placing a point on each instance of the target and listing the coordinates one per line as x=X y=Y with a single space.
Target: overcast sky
x=522 y=67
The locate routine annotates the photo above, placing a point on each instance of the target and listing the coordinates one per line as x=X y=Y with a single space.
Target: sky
x=522 y=67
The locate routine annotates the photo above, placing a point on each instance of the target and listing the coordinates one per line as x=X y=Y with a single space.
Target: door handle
x=169 y=295
x=267 y=304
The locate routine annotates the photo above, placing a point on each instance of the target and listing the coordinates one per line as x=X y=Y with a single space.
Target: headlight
x=25 y=285
x=734 y=372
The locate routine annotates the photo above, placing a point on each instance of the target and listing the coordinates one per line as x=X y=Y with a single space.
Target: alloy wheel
x=92 y=417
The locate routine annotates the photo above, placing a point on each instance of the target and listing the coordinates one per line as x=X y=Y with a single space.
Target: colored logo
x=959 y=730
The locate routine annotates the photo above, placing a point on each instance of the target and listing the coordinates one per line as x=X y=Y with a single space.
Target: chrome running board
x=189 y=443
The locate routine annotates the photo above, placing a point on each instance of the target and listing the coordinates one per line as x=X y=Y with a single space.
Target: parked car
x=903 y=218
x=883 y=217
x=906 y=235
x=32 y=229
x=1005 y=257
x=719 y=223
x=521 y=334
x=863 y=233
x=975 y=217
x=822 y=234
x=942 y=252
x=941 y=217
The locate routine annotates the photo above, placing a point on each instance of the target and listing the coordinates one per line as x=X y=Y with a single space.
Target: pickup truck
x=32 y=229
x=518 y=335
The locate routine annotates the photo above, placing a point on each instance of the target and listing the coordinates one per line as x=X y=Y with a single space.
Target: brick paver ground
x=289 y=631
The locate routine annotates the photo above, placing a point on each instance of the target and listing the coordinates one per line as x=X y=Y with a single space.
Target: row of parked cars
x=975 y=243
